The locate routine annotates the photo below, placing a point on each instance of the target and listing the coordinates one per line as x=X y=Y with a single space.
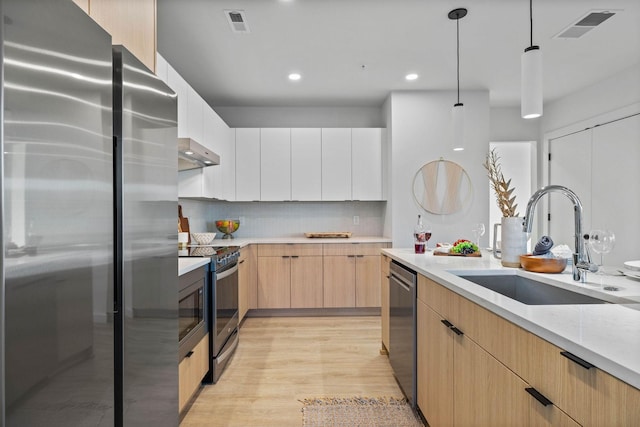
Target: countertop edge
x=185 y=265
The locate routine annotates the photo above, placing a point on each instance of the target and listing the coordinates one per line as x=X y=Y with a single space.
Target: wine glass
x=478 y=231
x=427 y=235
x=602 y=242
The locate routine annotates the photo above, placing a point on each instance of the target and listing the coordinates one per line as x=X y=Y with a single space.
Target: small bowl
x=543 y=265
x=227 y=226
x=203 y=238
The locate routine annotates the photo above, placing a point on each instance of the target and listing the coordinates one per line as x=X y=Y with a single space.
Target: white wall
x=508 y=125
x=350 y=117
x=618 y=91
x=421 y=131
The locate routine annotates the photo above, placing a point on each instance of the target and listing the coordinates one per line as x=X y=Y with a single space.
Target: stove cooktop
x=208 y=251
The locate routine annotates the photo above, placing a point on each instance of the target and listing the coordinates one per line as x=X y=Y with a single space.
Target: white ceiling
x=329 y=42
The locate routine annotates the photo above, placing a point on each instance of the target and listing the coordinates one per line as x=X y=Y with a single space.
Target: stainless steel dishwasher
x=402 y=328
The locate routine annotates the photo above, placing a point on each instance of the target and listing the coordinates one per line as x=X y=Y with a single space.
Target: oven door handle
x=227 y=273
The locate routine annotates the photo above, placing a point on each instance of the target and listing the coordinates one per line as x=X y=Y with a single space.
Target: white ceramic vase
x=513 y=241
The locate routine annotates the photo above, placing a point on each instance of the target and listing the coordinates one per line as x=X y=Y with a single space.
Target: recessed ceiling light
x=294 y=76
x=412 y=76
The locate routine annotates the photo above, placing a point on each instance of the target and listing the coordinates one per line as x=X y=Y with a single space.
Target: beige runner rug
x=358 y=411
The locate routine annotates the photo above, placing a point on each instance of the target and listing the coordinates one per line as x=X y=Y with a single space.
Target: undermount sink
x=529 y=291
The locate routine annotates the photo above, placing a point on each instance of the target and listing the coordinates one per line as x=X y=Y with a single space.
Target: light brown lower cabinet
x=384 y=300
x=352 y=274
x=247 y=280
x=460 y=382
x=191 y=370
x=289 y=276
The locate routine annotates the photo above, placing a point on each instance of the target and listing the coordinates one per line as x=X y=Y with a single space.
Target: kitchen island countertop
x=186 y=265
x=606 y=335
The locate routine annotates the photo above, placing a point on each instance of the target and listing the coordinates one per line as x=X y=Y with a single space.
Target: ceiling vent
x=237 y=20
x=585 y=24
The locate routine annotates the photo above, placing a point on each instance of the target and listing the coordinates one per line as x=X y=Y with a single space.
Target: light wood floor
x=282 y=360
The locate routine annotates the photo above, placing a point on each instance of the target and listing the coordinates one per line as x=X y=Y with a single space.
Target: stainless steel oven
x=224 y=312
x=191 y=312
x=220 y=304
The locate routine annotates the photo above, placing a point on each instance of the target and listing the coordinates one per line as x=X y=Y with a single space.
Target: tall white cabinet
x=247 y=164
x=366 y=164
x=275 y=164
x=306 y=164
x=336 y=164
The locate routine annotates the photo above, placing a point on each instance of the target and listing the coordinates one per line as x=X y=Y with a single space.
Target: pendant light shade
x=457 y=120
x=531 y=77
x=457 y=113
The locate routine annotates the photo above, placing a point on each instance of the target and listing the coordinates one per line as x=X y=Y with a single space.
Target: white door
x=570 y=165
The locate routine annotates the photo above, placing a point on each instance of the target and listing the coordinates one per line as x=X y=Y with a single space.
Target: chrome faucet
x=581 y=257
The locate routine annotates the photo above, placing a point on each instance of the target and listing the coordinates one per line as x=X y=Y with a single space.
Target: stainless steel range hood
x=192 y=155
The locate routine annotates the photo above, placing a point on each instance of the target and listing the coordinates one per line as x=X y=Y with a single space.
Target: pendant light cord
x=458 y=55
x=531 y=21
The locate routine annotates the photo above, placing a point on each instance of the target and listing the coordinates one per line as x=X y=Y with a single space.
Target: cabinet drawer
x=435 y=296
x=590 y=396
x=301 y=249
x=352 y=248
x=191 y=371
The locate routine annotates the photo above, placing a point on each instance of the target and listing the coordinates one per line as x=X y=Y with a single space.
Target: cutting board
x=473 y=255
x=329 y=234
x=183 y=223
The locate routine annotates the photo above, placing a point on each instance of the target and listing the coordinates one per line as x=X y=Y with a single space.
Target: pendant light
x=531 y=89
x=457 y=113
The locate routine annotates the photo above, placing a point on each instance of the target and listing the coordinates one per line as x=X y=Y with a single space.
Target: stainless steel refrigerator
x=88 y=308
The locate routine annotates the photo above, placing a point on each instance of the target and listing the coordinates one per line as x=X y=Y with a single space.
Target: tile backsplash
x=287 y=219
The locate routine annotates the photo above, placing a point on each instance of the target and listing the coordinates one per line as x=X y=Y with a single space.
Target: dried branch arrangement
x=505 y=202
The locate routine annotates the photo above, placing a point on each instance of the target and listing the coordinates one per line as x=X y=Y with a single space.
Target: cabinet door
x=247 y=164
x=435 y=367
x=339 y=281
x=366 y=163
x=131 y=24
x=252 y=276
x=384 y=300
x=486 y=393
x=306 y=282
x=274 y=282
x=368 y=281
x=195 y=111
x=306 y=164
x=336 y=164
x=243 y=285
x=180 y=87
x=275 y=164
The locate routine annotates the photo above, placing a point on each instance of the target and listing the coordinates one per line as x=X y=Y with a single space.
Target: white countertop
x=186 y=265
x=606 y=335
x=242 y=242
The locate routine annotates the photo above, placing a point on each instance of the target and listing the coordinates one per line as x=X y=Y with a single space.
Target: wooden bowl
x=543 y=265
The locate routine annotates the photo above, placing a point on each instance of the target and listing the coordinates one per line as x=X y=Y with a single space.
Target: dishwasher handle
x=397 y=279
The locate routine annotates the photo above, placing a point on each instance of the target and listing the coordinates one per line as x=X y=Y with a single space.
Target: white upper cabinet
x=195 y=117
x=366 y=163
x=181 y=88
x=336 y=164
x=247 y=164
x=275 y=164
x=306 y=164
